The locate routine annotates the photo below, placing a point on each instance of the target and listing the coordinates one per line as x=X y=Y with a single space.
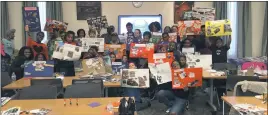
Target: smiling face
x=146 y=38
x=27 y=53
x=39 y=37
x=175 y=65
x=81 y=34
x=165 y=37
x=129 y=28
x=174 y=29
x=182 y=61
x=187 y=43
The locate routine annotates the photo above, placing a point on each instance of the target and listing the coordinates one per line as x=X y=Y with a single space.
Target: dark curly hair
x=129 y=24
x=69 y=32
x=78 y=32
x=156 y=24
x=21 y=52
x=147 y=33
x=183 y=42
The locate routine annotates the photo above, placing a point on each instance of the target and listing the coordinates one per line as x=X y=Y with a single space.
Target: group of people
x=175 y=100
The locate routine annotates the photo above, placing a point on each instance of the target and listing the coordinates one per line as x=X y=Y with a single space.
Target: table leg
x=222 y=107
x=210 y=102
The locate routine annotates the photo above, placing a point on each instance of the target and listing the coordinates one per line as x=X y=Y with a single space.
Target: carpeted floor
x=198 y=106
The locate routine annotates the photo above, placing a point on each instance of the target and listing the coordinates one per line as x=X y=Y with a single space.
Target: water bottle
x=239 y=70
x=110 y=107
x=13 y=76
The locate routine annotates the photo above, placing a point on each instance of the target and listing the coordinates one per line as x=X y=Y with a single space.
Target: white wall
x=15 y=20
x=258 y=11
x=113 y=9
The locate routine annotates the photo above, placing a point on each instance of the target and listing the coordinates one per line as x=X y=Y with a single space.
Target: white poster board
x=135 y=78
x=203 y=61
x=88 y=42
x=204 y=14
x=161 y=72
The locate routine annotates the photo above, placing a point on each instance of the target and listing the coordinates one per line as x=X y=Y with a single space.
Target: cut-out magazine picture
x=117 y=67
x=71 y=52
x=203 y=14
x=88 y=42
x=197 y=61
x=39 y=69
x=191 y=27
x=97 y=22
x=55 y=25
x=58 y=52
x=107 y=64
x=159 y=58
x=135 y=78
x=141 y=50
x=182 y=9
x=161 y=72
x=156 y=37
x=31 y=18
x=218 y=28
x=93 y=66
x=118 y=50
x=188 y=77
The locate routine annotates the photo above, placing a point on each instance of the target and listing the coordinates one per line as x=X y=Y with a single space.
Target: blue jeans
x=133 y=92
x=176 y=104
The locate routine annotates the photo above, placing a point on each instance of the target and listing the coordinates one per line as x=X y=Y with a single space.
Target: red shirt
x=37 y=47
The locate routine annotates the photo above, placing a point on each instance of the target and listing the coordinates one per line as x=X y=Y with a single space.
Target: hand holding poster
x=31 y=19
x=188 y=77
x=156 y=37
x=203 y=14
x=88 y=42
x=218 y=28
x=118 y=50
x=141 y=50
x=192 y=27
x=135 y=78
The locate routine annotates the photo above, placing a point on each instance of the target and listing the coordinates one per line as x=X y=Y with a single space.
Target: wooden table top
x=232 y=100
x=25 y=82
x=58 y=108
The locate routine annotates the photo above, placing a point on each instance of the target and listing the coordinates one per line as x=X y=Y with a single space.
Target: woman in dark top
x=25 y=56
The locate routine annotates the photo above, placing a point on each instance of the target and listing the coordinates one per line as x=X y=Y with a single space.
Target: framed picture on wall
x=85 y=9
x=182 y=10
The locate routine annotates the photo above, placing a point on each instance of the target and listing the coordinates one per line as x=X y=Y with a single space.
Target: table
x=207 y=75
x=25 y=82
x=58 y=108
x=232 y=100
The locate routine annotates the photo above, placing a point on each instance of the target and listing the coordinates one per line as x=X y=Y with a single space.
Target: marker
x=77 y=102
x=70 y=101
x=64 y=102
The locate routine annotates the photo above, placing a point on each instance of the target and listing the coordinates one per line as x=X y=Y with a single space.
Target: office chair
x=98 y=83
x=53 y=82
x=83 y=91
x=37 y=92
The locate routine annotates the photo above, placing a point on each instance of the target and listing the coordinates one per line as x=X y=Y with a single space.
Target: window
x=232 y=15
x=42 y=13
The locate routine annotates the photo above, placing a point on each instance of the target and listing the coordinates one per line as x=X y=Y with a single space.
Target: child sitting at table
x=182 y=61
x=40 y=57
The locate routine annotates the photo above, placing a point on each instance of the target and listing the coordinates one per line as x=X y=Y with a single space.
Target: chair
x=232 y=80
x=5 y=79
x=37 y=92
x=83 y=91
x=252 y=88
x=98 y=83
x=53 y=82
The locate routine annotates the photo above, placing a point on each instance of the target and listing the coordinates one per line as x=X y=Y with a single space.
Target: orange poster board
x=158 y=58
x=141 y=50
x=188 y=77
x=191 y=27
x=118 y=50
